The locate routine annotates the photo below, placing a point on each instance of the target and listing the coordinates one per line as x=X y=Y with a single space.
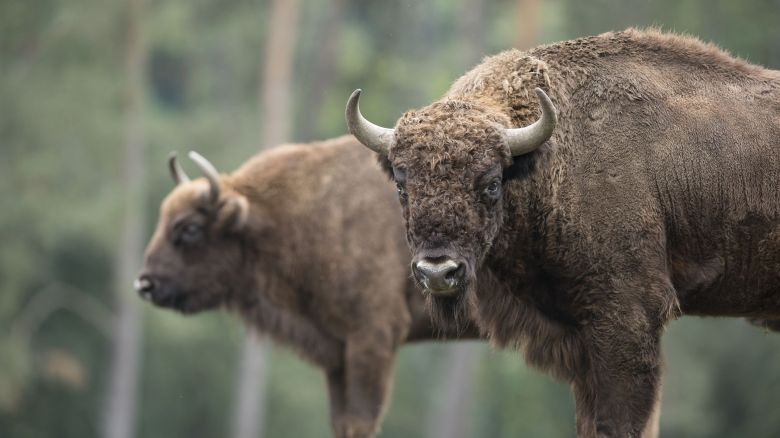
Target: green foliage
x=15 y=366
x=188 y=380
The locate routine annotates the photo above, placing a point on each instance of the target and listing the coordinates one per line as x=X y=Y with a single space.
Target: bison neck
x=523 y=298
x=272 y=303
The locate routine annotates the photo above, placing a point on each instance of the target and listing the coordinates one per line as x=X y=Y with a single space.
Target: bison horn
x=177 y=173
x=375 y=137
x=524 y=140
x=210 y=172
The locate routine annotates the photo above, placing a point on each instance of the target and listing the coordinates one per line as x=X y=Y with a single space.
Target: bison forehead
x=451 y=135
x=186 y=196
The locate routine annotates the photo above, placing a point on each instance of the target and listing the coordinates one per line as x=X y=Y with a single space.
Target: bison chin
x=451 y=313
x=181 y=301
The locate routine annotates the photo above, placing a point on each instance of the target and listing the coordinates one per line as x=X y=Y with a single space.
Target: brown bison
x=653 y=192
x=305 y=243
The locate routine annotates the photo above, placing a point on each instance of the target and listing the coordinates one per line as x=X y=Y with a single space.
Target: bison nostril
x=418 y=274
x=439 y=276
x=456 y=275
x=144 y=285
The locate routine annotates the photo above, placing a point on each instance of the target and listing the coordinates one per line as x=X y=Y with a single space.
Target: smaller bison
x=289 y=244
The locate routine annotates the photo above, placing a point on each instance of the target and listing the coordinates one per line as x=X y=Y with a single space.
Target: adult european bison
x=653 y=192
x=304 y=242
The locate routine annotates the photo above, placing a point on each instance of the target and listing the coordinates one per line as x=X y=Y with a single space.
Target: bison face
x=192 y=261
x=450 y=161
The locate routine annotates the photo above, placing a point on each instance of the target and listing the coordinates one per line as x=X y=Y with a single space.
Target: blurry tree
x=527 y=24
x=120 y=409
x=251 y=389
x=452 y=413
x=275 y=101
x=58 y=117
x=277 y=72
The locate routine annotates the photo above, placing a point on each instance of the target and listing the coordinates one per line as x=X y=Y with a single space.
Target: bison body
x=304 y=242
x=656 y=194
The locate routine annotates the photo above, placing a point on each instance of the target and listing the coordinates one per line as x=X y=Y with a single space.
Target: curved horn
x=524 y=140
x=374 y=137
x=177 y=173
x=209 y=171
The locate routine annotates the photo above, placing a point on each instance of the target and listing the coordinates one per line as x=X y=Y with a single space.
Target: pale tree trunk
x=120 y=409
x=277 y=68
x=527 y=24
x=249 y=418
x=451 y=418
x=275 y=104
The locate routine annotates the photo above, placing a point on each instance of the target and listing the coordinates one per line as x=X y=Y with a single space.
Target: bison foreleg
x=362 y=388
x=653 y=426
x=337 y=393
x=767 y=324
x=618 y=394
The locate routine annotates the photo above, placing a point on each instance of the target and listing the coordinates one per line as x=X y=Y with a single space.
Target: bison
x=578 y=233
x=304 y=243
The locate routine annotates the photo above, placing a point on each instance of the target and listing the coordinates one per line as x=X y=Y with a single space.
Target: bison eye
x=493 y=189
x=401 y=191
x=191 y=233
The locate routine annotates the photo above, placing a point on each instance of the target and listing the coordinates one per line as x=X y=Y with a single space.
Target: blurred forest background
x=93 y=96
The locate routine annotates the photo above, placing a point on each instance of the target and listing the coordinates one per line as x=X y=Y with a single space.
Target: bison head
x=191 y=261
x=451 y=161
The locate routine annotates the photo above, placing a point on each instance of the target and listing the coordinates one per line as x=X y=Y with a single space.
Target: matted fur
x=318 y=263
x=657 y=195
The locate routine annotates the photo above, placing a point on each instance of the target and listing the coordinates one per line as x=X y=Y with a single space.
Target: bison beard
x=650 y=198
x=449 y=313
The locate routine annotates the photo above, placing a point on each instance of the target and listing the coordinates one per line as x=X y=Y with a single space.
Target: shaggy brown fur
x=656 y=196
x=305 y=243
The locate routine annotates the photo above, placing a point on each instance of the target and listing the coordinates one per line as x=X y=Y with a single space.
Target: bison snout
x=145 y=286
x=441 y=276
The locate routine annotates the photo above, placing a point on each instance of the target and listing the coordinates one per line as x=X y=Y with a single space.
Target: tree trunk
x=249 y=418
x=275 y=103
x=277 y=71
x=452 y=419
x=120 y=410
x=527 y=24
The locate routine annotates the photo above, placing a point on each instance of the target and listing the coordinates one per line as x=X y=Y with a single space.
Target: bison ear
x=385 y=165
x=233 y=213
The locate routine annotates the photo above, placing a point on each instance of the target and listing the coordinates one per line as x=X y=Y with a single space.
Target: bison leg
x=766 y=324
x=366 y=378
x=653 y=426
x=337 y=393
x=618 y=394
